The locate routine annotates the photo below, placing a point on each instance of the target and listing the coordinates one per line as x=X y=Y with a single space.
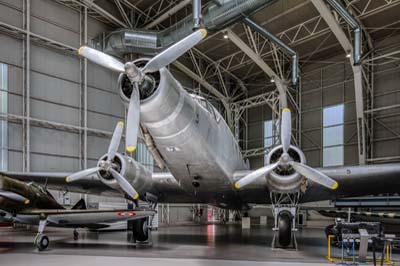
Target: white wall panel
x=55 y=90
x=54 y=63
x=51 y=141
x=10 y=12
x=54 y=112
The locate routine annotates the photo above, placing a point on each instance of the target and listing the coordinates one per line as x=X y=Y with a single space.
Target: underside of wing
x=357 y=181
x=353 y=181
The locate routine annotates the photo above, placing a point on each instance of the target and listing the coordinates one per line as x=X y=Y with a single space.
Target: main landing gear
x=140 y=229
x=285 y=206
x=41 y=241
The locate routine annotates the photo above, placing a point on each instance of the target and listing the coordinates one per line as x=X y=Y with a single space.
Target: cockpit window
x=39 y=188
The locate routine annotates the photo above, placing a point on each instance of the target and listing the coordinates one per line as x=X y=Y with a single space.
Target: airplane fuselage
x=194 y=140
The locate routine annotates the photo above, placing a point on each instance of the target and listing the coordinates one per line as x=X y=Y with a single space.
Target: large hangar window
x=333 y=139
x=270 y=127
x=3 y=110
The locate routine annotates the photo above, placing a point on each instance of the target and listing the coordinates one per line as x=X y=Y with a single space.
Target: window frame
x=328 y=147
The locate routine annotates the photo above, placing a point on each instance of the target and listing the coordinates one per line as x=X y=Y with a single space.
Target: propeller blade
x=115 y=140
x=169 y=55
x=133 y=119
x=286 y=129
x=81 y=174
x=250 y=178
x=14 y=196
x=101 y=59
x=125 y=186
x=314 y=175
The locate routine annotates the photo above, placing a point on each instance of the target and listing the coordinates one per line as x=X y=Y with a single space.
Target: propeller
x=108 y=165
x=250 y=178
x=14 y=196
x=133 y=118
x=285 y=161
x=136 y=75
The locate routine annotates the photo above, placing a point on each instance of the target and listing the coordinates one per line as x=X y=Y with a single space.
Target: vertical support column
x=361 y=134
x=26 y=88
x=357 y=70
x=83 y=92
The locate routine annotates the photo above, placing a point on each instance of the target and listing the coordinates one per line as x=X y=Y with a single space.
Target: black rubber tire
x=139 y=230
x=42 y=242
x=285 y=228
x=76 y=235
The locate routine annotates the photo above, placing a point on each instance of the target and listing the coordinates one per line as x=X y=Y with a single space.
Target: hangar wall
x=55 y=89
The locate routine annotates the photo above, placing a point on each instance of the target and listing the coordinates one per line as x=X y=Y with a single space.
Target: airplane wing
x=383 y=217
x=84 y=218
x=164 y=184
x=56 y=180
x=357 y=181
x=353 y=181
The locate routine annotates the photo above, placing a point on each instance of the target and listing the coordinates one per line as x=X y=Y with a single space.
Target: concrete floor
x=192 y=245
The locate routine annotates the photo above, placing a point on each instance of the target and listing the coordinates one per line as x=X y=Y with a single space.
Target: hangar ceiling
x=296 y=22
x=226 y=68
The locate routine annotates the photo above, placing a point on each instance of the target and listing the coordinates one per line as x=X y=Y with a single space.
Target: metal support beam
x=83 y=134
x=238 y=109
x=281 y=86
x=26 y=55
x=123 y=13
x=167 y=14
x=289 y=51
x=357 y=71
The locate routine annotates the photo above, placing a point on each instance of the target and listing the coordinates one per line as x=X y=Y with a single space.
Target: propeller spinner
x=109 y=166
x=136 y=76
x=285 y=161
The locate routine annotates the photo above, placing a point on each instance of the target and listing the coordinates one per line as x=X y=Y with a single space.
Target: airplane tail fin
x=80 y=205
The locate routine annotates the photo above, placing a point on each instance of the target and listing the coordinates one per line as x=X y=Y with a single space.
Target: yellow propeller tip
x=203 y=32
x=27 y=201
x=286 y=110
x=120 y=123
x=80 y=50
x=130 y=149
x=335 y=186
x=136 y=196
x=67 y=179
x=237 y=185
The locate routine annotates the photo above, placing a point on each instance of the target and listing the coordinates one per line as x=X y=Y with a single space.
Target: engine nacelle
x=135 y=173
x=285 y=180
x=147 y=87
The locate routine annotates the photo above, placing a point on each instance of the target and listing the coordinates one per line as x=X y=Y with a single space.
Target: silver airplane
x=186 y=134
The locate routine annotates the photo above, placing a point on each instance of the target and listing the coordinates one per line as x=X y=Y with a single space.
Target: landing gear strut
x=41 y=241
x=140 y=229
x=285 y=207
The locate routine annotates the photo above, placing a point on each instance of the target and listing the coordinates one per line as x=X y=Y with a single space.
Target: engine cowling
x=135 y=173
x=285 y=179
x=148 y=86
